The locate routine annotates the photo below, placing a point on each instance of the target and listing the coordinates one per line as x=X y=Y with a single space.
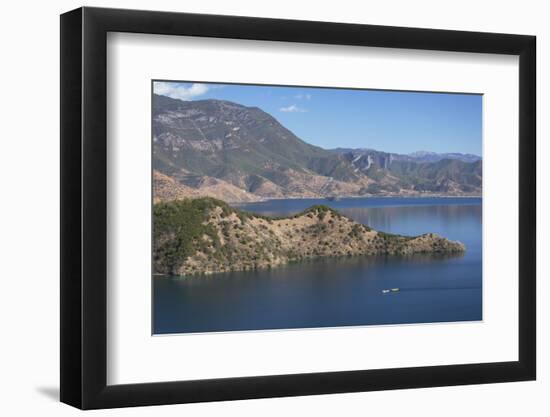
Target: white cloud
x=293 y=108
x=180 y=91
x=303 y=96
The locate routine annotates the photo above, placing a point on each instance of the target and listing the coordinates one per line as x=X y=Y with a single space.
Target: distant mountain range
x=226 y=150
x=418 y=156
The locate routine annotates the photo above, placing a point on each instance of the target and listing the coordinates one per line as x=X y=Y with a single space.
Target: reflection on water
x=340 y=291
x=288 y=206
x=416 y=220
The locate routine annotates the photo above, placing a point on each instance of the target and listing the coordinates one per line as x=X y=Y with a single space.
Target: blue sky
x=400 y=122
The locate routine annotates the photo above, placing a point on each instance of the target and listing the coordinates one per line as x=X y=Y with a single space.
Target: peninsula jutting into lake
x=255 y=228
x=205 y=235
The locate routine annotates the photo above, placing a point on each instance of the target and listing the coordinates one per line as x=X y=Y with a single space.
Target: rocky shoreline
x=205 y=235
x=167 y=188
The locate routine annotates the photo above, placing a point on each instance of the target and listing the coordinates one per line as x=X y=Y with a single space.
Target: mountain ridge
x=417 y=156
x=205 y=235
x=195 y=142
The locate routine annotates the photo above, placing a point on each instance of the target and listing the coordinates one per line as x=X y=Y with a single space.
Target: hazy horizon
x=388 y=121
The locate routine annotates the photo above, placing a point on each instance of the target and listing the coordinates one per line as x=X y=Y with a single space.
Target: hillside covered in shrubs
x=205 y=235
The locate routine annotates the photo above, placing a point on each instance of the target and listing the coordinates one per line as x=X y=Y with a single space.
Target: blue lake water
x=340 y=291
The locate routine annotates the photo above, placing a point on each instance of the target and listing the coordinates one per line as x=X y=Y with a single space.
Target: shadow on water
x=336 y=263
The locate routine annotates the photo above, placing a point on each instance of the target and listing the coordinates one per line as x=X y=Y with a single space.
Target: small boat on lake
x=390 y=290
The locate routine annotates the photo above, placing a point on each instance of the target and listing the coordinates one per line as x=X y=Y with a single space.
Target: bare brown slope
x=231 y=240
x=166 y=188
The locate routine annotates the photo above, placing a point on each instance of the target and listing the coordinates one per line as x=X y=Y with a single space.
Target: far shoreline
x=353 y=197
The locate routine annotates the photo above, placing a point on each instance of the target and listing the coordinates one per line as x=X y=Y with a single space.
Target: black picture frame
x=84 y=207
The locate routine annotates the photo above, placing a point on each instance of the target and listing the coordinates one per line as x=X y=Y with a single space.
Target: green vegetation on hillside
x=178 y=227
x=249 y=149
x=206 y=235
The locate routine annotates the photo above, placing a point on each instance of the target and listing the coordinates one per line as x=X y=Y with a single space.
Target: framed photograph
x=258 y=208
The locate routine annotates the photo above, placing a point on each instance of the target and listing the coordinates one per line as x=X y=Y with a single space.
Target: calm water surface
x=340 y=291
